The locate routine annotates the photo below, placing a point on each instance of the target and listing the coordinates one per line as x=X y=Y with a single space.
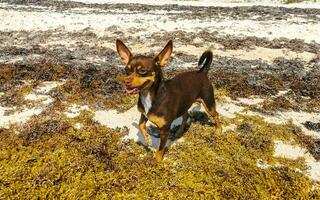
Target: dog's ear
x=123 y=52
x=163 y=57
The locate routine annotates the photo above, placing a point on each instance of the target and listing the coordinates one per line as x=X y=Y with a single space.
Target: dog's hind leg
x=182 y=126
x=209 y=104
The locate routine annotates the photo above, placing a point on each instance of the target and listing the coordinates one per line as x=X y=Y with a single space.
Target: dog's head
x=141 y=71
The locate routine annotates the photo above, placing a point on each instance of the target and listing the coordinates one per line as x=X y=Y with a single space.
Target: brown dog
x=162 y=101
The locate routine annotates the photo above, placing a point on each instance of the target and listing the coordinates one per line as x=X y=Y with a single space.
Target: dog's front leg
x=164 y=132
x=143 y=129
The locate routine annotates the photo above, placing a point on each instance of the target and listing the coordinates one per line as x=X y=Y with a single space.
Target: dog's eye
x=143 y=72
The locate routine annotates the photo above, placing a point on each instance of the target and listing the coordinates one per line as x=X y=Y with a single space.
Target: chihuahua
x=162 y=101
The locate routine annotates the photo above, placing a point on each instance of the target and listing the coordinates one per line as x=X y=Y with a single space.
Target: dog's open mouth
x=132 y=90
x=138 y=89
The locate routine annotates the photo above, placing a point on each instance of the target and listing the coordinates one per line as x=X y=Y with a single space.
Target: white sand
x=262 y=165
x=282 y=92
x=297 y=118
x=39 y=95
x=129 y=119
x=77 y=126
x=69 y=20
x=288 y=150
x=295 y=152
x=47 y=86
x=74 y=110
x=20 y=117
x=45 y=99
x=255 y=53
x=251 y=101
x=78 y=19
x=229 y=109
x=220 y=3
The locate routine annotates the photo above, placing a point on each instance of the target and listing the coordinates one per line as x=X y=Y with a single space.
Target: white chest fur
x=146 y=102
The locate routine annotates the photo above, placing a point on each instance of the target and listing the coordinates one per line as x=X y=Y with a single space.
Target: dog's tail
x=205 y=61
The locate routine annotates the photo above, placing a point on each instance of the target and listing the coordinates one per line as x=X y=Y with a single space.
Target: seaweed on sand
x=50 y=158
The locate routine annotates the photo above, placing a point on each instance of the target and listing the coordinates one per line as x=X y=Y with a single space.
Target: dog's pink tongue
x=133 y=91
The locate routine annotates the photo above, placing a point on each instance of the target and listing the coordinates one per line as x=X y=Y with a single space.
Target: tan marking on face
x=120 y=78
x=138 y=81
x=129 y=66
x=139 y=67
x=159 y=121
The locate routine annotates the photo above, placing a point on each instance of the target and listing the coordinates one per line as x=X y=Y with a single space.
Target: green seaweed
x=72 y=92
x=49 y=158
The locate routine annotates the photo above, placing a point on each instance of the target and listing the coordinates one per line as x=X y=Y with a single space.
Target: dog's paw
x=159 y=156
x=218 y=131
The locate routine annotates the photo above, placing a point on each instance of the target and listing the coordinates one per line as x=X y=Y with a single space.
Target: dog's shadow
x=195 y=115
x=154 y=135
